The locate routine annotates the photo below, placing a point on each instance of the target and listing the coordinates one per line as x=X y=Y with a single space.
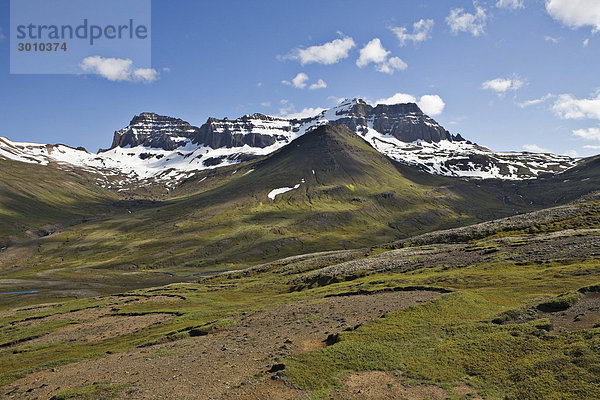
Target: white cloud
x=586 y=42
x=534 y=148
x=118 y=69
x=166 y=69
x=375 y=53
x=591 y=146
x=575 y=13
x=391 y=65
x=336 y=100
x=299 y=81
x=510 y=4
x=259 y=84
x=421 y=32
x=460 y=21
x=430 y=104
x=305 y=113
x=266 y=104
x=572 y=153
x=286 y=107
x=397 y=99
x=588 y=134
x=534 y=102
x=502 y=85
x=327 y=53
x=551 y=39
x=321 y=84
x=568 y=107
x=145 y=74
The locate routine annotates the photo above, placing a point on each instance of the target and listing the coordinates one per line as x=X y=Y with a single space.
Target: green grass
x=233 y=225
x=452 y=339
x=444 y=342
x=97 y=390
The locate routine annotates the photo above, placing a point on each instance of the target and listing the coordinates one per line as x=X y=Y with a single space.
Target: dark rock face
x=157 y=131
x=235 y=133
x=152 y=130
x=406 y=122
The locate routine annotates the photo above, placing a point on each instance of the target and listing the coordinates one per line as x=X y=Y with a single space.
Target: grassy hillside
x=348 y=196
x=515 y=317
x=34 y=196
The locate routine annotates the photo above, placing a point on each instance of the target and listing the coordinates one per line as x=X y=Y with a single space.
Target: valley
x=322 y=269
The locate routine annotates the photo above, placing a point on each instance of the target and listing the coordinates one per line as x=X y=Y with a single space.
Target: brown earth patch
x=228 y=364
x=584 y=314
x=93 y=325
x=376 y=385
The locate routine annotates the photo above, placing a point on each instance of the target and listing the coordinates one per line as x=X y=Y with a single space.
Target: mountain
x=154 y=148
x=327 y=189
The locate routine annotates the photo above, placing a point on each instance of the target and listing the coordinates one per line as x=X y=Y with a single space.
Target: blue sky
x=512 y=74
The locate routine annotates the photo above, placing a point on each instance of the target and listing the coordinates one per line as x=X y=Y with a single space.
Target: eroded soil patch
x=231 y=363
x=584 y=314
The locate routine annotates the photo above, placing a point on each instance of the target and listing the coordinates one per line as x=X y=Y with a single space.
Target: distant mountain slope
x=328 y=189
x=37 y=200
x=154 y=148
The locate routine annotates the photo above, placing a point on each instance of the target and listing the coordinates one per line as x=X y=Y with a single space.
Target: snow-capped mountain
x=160 y=148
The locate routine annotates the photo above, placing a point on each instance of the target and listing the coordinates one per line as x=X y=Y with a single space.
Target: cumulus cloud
x=510 y=4
x=461 y=21
x=588 y=134
x=537 y=101
x=336 y=100
x=572 y=153
x=421 y=32
x=391 y=65
x=118 y=69
x=327 y=53
x=375 y=53
x=534 y=148
x=305 y=113
x=430 y=104
x=586 y=42
x=299 y=81
x=145 y=74
x=568 y=107
x=320 y=84
x=551 y=39
x=575 y=13
x=397 y=99
x=502 y=85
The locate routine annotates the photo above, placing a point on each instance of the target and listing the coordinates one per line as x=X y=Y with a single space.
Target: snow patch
x=273 y=193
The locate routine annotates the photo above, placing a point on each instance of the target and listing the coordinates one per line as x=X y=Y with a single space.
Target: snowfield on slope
x=139 y=163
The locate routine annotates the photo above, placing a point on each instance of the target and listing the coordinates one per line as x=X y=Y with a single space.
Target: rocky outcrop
x=152 y=130
x=406 y=122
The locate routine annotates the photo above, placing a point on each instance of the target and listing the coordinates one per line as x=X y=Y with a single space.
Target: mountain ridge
x=159 y=149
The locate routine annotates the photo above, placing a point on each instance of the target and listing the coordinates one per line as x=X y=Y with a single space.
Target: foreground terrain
x=504 y=309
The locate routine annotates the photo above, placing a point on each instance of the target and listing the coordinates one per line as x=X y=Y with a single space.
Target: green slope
x=355 y=198
x=33 y=197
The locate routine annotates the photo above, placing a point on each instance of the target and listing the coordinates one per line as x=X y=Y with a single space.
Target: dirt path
x=229 y=364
